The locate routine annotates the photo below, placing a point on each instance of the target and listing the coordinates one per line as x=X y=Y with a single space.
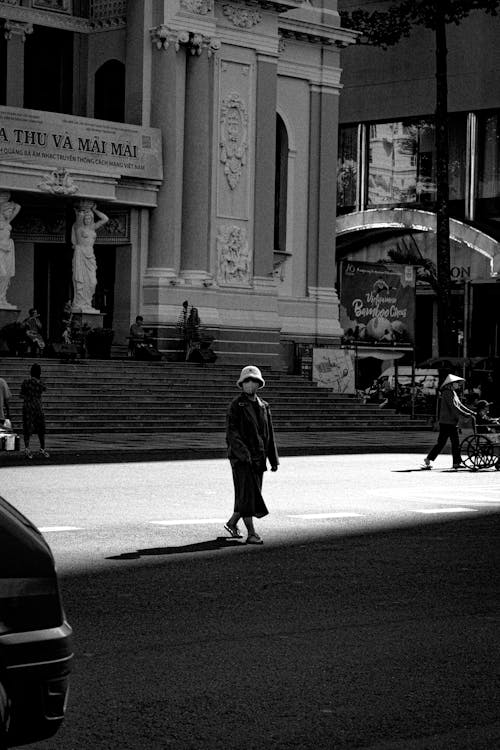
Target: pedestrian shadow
x=220 y=542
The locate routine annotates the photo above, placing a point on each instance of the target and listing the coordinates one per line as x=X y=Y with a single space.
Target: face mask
x=250 y=387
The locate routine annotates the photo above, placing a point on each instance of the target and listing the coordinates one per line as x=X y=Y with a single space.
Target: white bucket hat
x=452 y=379
x=250 y=371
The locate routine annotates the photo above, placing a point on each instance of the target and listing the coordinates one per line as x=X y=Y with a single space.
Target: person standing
x=33 y=416
x=450 y=411
x=251 y=443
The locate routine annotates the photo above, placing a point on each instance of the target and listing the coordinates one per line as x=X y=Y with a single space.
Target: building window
x=401 y=164
x=280 y=186
x=48 y=70
x=488 y=167
x=347 y=169
x=109 y=92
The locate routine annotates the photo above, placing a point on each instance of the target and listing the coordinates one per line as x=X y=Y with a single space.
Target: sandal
x=234 y=531
x=254 y=539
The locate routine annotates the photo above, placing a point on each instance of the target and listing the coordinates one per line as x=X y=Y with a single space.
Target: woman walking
x=450 y=411
x=33 y=417
x=250 y=441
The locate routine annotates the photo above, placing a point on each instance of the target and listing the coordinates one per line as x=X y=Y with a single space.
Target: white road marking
x=326 y=515
x=45 y=529
x=189 y=521
x=444 y=510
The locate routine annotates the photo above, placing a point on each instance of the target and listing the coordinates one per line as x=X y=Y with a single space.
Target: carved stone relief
x=233 y=137
x=58 y=182
x=233 y=256
x=162 y=37
x=200 y=7
x=242 y=17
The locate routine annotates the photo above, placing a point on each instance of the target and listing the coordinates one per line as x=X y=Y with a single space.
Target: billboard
x=377 y=303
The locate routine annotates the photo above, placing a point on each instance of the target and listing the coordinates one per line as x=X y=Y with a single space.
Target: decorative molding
x=40 y=224
x=58 y=182
x=13 y=11
x=198 y=42
x=200 y=7
x=117 y=230
x=17 y=28
x=233 y=256
x=54 y=6
x=233 y=137
x=162 y=37
x=242 y=17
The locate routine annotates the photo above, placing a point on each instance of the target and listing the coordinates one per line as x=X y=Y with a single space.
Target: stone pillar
x=322 y=188
x=167 y=114
x=15 y=33
x=321 y=262
x=265 y=160
x=196 y=197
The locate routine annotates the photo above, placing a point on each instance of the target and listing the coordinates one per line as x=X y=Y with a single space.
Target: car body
x=35 y=639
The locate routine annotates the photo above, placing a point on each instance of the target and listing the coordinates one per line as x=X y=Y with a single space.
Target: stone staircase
x=123 y=396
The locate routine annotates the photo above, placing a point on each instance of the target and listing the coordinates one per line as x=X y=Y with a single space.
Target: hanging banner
x=334 y=369
x=377 y=303
x=79 y=143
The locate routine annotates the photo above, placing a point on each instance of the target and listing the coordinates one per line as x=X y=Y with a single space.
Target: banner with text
x=79 y=143
x=377 y=303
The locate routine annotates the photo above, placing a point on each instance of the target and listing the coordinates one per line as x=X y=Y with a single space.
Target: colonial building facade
x=205 y=133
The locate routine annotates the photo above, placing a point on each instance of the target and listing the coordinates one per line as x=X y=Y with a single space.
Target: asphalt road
x=369 y=619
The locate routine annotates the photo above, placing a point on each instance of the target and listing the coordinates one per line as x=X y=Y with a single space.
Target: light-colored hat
x=452 y=379
x=250 y=371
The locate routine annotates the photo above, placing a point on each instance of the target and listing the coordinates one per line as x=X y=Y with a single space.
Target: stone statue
x=83 y=236
x=8 y=212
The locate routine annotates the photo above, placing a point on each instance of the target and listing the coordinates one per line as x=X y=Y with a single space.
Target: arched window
x=109 y=92
x=280 y=186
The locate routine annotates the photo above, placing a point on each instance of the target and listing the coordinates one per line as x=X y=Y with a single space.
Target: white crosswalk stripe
x=314 y=516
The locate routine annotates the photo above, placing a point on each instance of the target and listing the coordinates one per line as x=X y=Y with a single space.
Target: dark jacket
x=250 y=435
x=451 y=408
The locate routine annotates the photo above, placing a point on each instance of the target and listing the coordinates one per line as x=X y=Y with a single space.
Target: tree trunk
x=445 y=341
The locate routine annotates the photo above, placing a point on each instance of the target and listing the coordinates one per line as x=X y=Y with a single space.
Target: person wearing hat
x=450 y=411
x=250 y=441
x=484 y=422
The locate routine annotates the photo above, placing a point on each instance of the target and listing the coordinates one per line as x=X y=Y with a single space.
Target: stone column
x=167 y=114
x=265 y=160
x=322 y=188
x=15 y=33
x=196 y=197
x=321 y=262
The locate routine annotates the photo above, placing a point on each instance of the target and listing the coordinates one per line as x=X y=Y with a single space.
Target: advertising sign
x=377 y=303
x=79 y=143
x=334 y=369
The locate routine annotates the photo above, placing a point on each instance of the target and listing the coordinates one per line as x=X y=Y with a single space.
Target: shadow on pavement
x=220 y=543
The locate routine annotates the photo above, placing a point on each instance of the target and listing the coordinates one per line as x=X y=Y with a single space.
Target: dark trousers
x=447 y=431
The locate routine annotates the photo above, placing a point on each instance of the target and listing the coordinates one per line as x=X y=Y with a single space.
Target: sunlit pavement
x=369 y=618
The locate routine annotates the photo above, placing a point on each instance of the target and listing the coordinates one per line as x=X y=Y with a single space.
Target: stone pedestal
x=93 y=320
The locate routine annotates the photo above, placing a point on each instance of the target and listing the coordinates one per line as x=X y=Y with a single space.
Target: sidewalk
x=112 y=447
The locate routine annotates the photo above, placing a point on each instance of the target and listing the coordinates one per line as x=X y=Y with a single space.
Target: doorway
x=54 y=285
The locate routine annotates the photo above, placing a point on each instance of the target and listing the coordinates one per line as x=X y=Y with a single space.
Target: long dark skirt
x=248 y=500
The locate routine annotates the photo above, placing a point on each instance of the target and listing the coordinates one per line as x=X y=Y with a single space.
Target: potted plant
x=98 y=343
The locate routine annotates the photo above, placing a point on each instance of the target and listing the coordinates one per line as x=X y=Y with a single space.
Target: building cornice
x=316 y=33
x=58 y=20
